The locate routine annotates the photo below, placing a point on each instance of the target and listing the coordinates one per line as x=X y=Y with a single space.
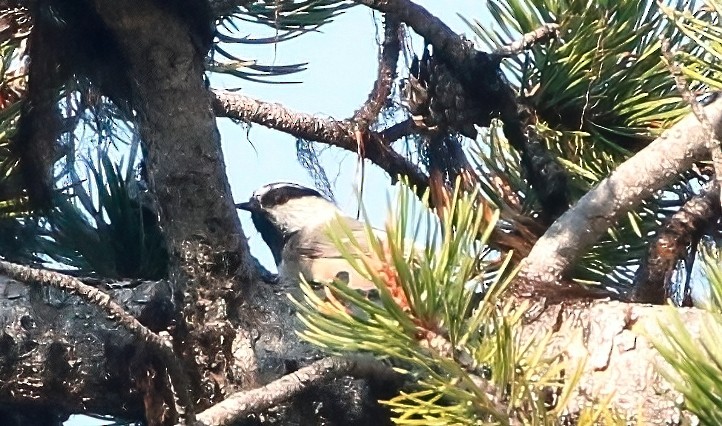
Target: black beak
x=251 y=205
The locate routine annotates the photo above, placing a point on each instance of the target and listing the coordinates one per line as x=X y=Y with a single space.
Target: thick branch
x=103 y=301
x=92 y=295
x=713 y=144
x=479 y=74
x=241 y=404
x=97 y=368
x=678 y=233
x=631 y=183
x=182 y=144
x=40 y=123
x=163 y=44
x=610 y=341
x=324 y=130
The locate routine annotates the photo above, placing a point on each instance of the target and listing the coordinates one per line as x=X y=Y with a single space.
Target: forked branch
x=388 y=58
x=326 y=130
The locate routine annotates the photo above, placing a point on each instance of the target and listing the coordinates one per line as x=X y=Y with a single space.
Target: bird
x=294 y=221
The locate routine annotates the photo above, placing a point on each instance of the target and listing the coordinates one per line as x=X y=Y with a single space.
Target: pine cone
x=436 y=99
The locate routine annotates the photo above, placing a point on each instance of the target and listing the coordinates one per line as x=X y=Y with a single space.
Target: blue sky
x=340 y=73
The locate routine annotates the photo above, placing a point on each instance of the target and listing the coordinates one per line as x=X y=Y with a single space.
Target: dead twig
x=341 y=134
x=388 y=58
x=540 y=35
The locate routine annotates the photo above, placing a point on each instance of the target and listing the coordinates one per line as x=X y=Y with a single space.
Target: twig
x=540 y=35
x=388 y=59
x=478 y=72
x=445 y=41
x=365 y=116
x=397 y=131
x=713 y=144
x=326 y=130
x=116 y=312
x=241 y=404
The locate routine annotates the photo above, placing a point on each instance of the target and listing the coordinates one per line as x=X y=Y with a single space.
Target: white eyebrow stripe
x=271 y=186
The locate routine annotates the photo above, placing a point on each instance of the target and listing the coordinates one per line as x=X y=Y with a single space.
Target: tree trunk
x=614 y=338
x=176 y=124
x=164 y=45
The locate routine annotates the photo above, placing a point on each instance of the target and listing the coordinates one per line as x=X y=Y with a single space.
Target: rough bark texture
x=621 y=362
x=631 y=183
x=327 y=130
x=165 y=44
x=60 y=354
x=56 y=351
x=388 y=58
x=478 y=73
x=681 y=231
x=177 y=125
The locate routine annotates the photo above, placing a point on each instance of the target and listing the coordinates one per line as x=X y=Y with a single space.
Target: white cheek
x=306 y=212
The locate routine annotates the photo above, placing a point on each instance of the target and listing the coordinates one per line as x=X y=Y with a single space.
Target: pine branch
x=680 y=81
x=325 y=130
x=102 y=300
x=241 y=404
x=478 y=73
x=433 y=29
x=632 y=182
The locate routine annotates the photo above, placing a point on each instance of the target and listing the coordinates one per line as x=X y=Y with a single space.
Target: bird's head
x=281 y=209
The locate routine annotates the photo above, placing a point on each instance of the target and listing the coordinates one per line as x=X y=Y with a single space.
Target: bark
x=164 y=45
x=155 y=344
x=478 y=73
x=377 y=149
x=682 y=231
x=388 y=58
x=621 y=362
x=326 y=130
x=238 y=406
x=541 y=35
x=632 y=182
x=35 y=145
x=177 y=126
x=60 y=354
x=434 y=30
x=65 y=356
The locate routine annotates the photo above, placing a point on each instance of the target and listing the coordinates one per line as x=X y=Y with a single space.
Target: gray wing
x=314 y=255
x=326 y=248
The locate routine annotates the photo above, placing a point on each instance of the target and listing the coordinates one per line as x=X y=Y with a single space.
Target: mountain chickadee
x=293 y=221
